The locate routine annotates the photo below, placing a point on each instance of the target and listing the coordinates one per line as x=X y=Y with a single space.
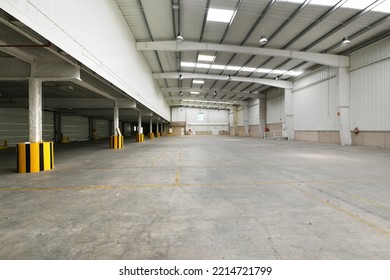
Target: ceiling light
x=180 y=77
x=219 y=15
x=345 y=41
x=215 y=93
x=263 y=40
x=208 y=58
x=194 y=92
x=198 y=82
x=179 y=38
x=276 y=78
x=175 y=6
x=229 y=78
x=181 y=93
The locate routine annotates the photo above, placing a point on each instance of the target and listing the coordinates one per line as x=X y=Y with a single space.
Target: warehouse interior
x=179 y=129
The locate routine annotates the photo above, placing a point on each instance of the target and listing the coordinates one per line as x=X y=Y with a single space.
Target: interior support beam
x=185 y=75
x=320 y=58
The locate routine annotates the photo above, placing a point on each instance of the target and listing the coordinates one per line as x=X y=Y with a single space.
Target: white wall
x=275 y=106
x=370 y=87
x=213 y=120
x=315 y=101
x=96 y=34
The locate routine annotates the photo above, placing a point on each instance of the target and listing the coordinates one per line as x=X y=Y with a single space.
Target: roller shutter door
x=75 y=127
x=102 y=130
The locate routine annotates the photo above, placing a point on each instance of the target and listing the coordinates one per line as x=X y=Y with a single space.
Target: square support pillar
x=288 y=130
x=35 y=110
x=116 y=120
x=344 y=101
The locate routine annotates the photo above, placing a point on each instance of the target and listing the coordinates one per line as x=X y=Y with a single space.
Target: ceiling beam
x=269 y=82
x=320 y=58
x=211 y=91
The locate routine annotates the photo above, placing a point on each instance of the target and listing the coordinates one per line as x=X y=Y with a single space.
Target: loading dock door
x=75 y=127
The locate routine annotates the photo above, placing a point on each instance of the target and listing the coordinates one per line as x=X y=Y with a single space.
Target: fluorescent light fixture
x=219 y=15
x=198 y=82
x=203 y=57
x=194 y=92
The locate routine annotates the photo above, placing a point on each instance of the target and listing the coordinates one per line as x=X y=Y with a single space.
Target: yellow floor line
x=177 y=178
x=368 y=201
x=159 y=157
x=341 y=210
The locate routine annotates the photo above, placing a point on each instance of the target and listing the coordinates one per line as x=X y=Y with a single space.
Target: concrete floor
x=199 y=197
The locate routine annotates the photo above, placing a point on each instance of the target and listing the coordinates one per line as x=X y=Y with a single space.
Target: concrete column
x=139 y=123
x=35 y=110
x=116 y=119
x=288 y=130
x=157 y=127
x=344 y=101
x=151 y=125
x=162 y=127
x=262 y=116
x=246 y=120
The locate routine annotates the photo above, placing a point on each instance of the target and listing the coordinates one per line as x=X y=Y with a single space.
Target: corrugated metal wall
x=75 y=127
x=102 y=129
x=213 y=121
x=370 y=88
x=14 y=126
x=315 y=103
x=48 y=126
x=275 y=106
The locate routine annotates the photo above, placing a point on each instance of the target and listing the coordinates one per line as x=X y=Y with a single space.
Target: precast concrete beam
x=54 y=68
x=126 y=103
x=78 y=103
x=323 y=59
x=185 y=75
x=14 y=69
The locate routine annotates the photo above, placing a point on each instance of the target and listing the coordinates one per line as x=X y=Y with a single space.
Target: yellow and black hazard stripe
x=116 y=142
x=35 y=157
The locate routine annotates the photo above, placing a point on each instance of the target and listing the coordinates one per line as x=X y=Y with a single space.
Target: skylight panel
x=218 y=67
x=219 y=15
x=233 y=68
x=248 y=69
x=208 y=58
x=187 y=64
